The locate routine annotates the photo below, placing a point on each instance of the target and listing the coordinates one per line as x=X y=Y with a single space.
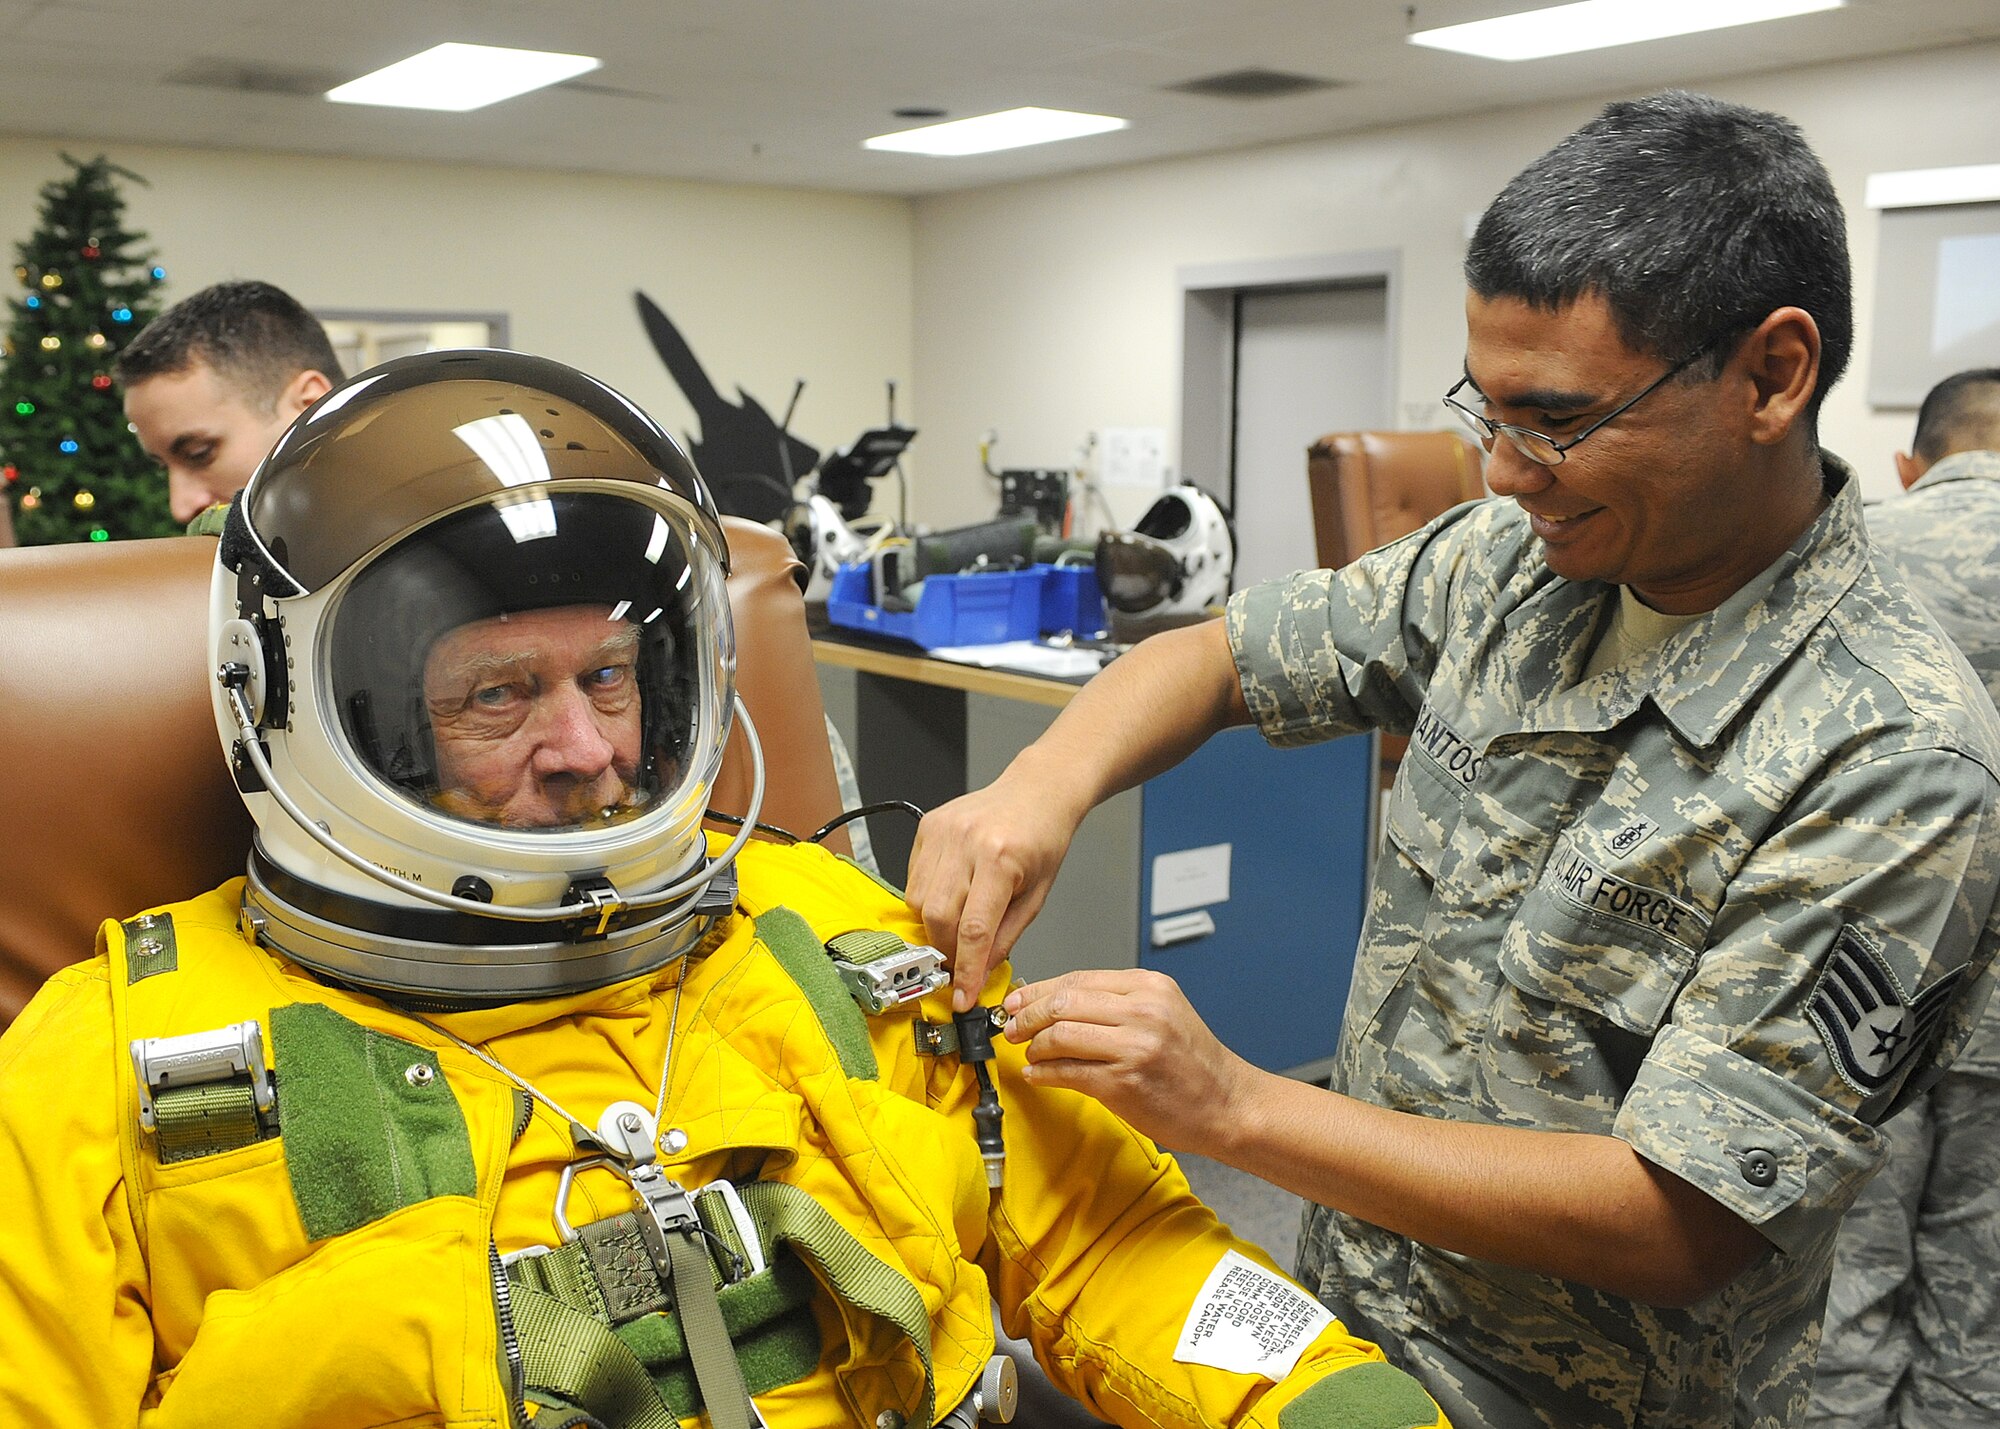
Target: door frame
x=1209 y=296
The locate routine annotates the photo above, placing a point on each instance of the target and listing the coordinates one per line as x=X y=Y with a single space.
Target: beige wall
x=1042 y=310
x=768 y=285
x=1047 y=309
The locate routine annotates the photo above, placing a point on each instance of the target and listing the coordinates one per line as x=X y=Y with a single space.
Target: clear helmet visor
x=540 y=663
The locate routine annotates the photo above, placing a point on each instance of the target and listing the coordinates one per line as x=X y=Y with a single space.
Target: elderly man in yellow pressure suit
x=498 y=1092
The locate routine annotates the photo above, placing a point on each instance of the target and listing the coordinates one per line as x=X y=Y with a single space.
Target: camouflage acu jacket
x=1945 y=534
x=1718 y=903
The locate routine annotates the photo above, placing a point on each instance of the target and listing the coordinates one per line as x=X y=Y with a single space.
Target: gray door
x=1308 y=361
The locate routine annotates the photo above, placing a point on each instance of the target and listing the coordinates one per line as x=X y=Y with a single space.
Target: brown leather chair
x=115 y=796
x=1368 y=488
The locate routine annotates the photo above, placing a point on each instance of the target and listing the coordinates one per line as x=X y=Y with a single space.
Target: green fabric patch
x=149 y=946
x=369 y=1124
x=799 y=951
x=1366 y=1396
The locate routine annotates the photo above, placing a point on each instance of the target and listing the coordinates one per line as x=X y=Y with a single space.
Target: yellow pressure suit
x=340 y=1270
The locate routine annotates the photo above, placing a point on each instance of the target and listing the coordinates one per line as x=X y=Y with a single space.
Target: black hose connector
x=975 y=1029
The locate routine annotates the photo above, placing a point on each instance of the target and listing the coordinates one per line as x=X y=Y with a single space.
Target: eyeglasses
x=1539 y=447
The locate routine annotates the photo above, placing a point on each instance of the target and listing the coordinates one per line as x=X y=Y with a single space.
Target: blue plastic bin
x=979 y=609
x=1072 y=600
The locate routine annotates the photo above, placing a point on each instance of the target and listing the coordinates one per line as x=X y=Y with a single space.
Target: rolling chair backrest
x=1368 y=488
x=1371 y=488
x=115 y=797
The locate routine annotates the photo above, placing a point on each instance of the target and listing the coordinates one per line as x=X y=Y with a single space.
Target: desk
x=1293 y=825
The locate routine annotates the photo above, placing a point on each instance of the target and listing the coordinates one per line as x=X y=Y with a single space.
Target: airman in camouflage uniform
x=1913 y=1316
x=1644 y=905
x=1688 y=879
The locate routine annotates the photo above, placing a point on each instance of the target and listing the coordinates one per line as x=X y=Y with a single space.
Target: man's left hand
x=1131 y=1039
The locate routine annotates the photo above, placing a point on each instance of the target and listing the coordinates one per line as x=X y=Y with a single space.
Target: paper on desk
x=1030 y=655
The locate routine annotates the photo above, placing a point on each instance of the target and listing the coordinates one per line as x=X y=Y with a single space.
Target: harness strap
x=572 y=1354
x=715 y=1369
x=574 y=1277
x=788 y=1214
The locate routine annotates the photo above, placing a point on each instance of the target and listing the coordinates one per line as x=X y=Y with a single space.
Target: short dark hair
x=256 y=336
x=1694 y=219
x=1960 y=414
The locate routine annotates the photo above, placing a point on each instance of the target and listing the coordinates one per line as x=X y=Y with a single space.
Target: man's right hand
x=982 y=867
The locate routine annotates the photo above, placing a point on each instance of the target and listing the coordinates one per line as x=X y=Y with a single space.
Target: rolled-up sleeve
x=1326 y=653
x=1847 y=964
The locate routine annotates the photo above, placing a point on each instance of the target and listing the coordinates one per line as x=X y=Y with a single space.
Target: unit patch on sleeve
x=1871 y=1027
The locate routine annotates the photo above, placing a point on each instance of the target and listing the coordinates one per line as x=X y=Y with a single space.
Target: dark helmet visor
x=1136 y=572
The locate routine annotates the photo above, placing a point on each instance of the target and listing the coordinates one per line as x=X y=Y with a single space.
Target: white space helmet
x=1175 y=562
x=473 y=608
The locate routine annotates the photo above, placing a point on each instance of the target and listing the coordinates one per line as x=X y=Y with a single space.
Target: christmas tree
x=69 y=465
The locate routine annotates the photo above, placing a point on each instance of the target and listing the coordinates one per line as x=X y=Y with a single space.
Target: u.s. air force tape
x=1598 y=890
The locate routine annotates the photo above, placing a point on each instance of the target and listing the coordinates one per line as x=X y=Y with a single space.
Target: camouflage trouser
x=1912 y=1336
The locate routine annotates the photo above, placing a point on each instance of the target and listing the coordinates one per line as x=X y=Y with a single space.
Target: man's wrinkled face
x=204 y=432
x=536 y=717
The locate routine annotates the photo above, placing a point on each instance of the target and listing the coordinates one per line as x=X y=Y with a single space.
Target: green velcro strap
x=569 y=1353
x=799 y=951
x=204 y=1119
x=865 y=945
x=776 y=1338
x=1363 y=1396
x=149 y=946
x=786 y=1213
x=369 y=1124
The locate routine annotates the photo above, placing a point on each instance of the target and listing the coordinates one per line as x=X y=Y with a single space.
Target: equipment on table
x=1174 y=563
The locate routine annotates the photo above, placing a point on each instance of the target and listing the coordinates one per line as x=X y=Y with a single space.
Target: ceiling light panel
x=986 y=133
x=458 y=77
x=1600 y=24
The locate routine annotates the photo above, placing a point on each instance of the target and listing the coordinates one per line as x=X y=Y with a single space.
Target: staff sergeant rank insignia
x=1867 y=1022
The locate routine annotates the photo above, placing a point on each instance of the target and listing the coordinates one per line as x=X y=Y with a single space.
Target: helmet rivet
x=674 y=1142
x=420 y=1074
